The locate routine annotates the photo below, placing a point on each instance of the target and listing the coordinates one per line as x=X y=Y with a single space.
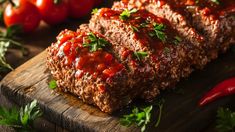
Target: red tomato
x=26 y=15
x=52 y=13
x=98 y=2
x=79 y=8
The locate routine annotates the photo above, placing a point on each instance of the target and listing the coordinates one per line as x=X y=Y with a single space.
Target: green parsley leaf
x=158 y=30
x=95 y=43
x=167 y=50
x=127 y=13
x=139 y=117
x=9 y=117
x=20 y=120
x=3 y=49
x=29 y=113
x=225 y=120
x=94 y=11
x=215 y=1
x=160 y=106
x=52 y=84
x=140 y=55
x=135 y=29
x=143 y=25
x=177 y=40
x=6 y=42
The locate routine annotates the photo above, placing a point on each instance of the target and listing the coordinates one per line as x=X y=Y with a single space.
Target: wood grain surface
x=180 y=112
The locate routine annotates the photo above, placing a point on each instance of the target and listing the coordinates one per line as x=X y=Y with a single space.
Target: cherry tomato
x=79 y=8
x=98 y=2
x=25 y=14
x=52 y=13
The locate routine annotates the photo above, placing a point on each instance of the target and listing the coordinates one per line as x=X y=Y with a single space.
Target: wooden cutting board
x=180 y=112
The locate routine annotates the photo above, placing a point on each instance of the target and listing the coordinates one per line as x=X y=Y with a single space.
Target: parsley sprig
x=20 y=119
x=52 y=84
x=94 y=11
x=127 y=13
x=225 y=120
x=95 y=43
x=140 y=117
x=158 y=31
x=177 y=40
x=140 y=55
x=7 y=40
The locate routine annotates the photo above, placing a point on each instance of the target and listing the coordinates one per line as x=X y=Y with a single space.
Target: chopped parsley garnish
x=52 y=84
x=135 y=29
x=7 y=40
x=140 y=55
x=215 y=1
x=94 y=11
x=167 y=50
x=140 y=117
x=127 y=13
x=143 y=25
x=21 y=120
x=225 y=120
x=95 y=43
x=158 y=30
x=177 y=40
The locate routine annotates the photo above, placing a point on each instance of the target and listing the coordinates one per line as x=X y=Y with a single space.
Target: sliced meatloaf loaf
x=85 y=64
x=193 y=19
x=91 y=73
x=143 y=32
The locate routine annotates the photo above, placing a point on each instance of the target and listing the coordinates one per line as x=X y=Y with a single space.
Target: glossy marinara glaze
x=142 y=23
x=99 y=63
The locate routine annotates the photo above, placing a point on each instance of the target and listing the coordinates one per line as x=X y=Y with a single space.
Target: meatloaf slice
x=194 y=19
x=92 y=73
x=215 y=20
x=143 y=32
x=85 y=64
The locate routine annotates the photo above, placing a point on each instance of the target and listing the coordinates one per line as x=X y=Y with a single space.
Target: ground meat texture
x=169 y=59
x=96 y=77
x=179 y=20
x=213 y=21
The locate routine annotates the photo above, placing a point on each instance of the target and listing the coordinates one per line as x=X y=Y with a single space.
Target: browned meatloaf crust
x=115 y=58
x=99 y=77
x=170 y=60
x=194 y=20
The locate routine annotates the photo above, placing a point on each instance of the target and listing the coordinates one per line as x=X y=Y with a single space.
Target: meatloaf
x=168 y=53
x=96 y=74
x=138 y=48
x=212 y=22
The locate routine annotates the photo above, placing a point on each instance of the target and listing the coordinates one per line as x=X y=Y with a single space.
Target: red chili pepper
x=224 y=88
